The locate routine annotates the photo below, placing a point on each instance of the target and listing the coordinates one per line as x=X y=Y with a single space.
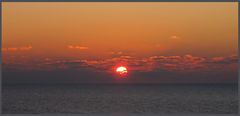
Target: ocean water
x=105 y=99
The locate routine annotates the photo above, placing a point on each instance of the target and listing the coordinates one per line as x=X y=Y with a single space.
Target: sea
x=120 y=98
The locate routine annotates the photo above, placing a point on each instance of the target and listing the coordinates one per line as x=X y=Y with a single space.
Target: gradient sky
x=159 y=42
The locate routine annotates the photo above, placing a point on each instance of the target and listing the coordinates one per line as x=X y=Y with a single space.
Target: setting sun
x=121 y=70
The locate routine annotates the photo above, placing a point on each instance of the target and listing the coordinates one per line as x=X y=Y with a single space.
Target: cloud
x=186 y=63
x=119 y=53
x=175 y=37
x=116 y=53
x=224 y=60
x=14 y=49
x=177 y=63
x=153 y=69
x=25 y=48
x=78 y=47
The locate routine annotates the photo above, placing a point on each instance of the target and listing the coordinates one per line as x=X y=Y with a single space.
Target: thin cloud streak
x=77 y=47
x=15 y=49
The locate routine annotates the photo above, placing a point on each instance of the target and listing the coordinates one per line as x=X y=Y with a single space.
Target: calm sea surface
x=91 y=99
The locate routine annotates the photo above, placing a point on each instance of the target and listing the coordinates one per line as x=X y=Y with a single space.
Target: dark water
x=120 y=99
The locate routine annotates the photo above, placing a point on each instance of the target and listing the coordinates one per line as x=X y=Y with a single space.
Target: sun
x=121 y=70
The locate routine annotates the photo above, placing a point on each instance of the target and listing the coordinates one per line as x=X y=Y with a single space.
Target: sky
x=84 y=42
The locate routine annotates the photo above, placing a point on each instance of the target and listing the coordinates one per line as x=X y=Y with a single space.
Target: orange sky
x=84 y=42
x=99 y=30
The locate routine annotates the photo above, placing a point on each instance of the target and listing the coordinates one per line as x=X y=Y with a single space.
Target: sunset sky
x=83 y=42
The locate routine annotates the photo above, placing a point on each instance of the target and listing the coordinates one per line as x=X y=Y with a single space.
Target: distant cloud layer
x=154 y=69
x=184 y=63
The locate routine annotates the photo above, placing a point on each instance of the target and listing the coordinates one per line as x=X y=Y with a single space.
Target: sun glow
x=121 y=70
